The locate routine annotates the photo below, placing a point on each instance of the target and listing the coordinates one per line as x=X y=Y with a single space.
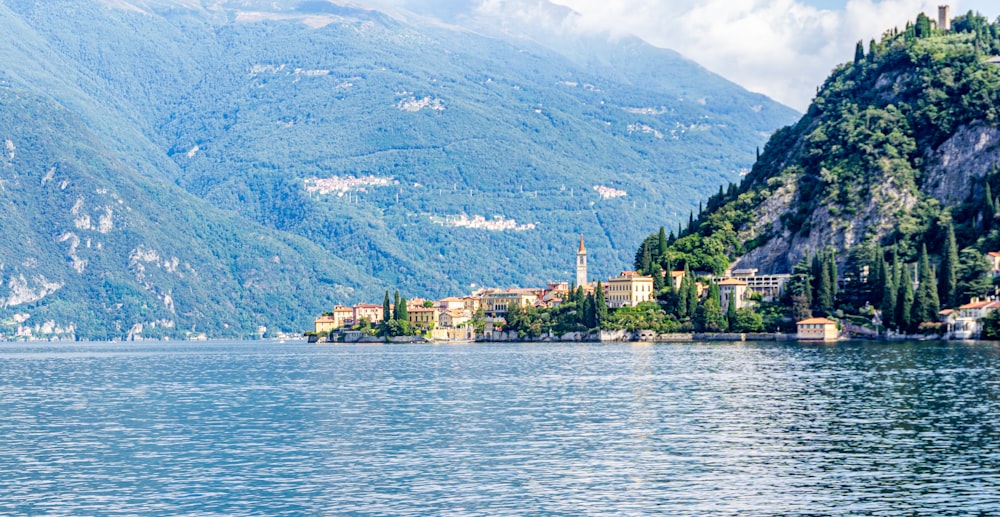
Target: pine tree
x=948 y=276
x=925 y=303
x=600 y=305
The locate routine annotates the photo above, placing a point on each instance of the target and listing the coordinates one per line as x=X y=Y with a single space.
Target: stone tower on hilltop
x=581 y=264
x=944 y=17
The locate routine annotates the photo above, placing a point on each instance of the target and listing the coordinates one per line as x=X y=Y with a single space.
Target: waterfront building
x=422 y=317
x=628 y=290
x=324 y=324
x=732 y=290
x=453 y=318
x=967 y=323
x=817 y=329
x=495 y=303
x=369 y=311
x=343 y=316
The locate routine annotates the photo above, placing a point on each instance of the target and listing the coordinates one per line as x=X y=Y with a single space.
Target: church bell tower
x=581 y=264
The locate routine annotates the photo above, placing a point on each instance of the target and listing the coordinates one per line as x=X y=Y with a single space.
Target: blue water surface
x=506 y=429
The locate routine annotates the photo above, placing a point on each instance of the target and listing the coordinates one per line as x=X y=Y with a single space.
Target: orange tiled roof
x=817 y=321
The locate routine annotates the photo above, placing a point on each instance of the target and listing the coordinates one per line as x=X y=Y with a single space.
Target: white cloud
x=782 y=48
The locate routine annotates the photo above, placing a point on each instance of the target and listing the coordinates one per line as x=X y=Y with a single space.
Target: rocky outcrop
x=958 y=164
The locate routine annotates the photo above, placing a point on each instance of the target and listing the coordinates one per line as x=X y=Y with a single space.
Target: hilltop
x=294 y=154
x=899 y=149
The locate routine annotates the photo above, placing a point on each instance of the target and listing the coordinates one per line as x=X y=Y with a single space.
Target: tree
x=904 y=300
x=658 y=279
x=646 y=260
x=925 y=302
x=825 y=286
x=708 y=315
x=888 y=305
x=859 y=52
x=402 y=314
x=973 y=275
x=395 y=306
x=600 y=305
x=923 y=26
x=731 y=313
x=948 y=276
x=386 y=310
x=662 y=241
x=589 y=312
x=747 y=320
x=478 y=320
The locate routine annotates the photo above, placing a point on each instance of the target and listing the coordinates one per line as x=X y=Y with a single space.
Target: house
x=422 y=317
x=817 y=329
x=993 y=258
x=343 y=316
x=628 y=290
x=967 y=324
x=732 y=290
x=769 y=287
x=495 y=303
x=453 y=318
x=451 y=303
x=994 y=60
x=324 y=324
x=677 y=277
x=369 y=311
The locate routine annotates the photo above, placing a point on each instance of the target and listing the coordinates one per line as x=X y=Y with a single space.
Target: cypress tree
x=988 y=212
x=947 y=292
x=859 y=52
x=683 y=311
x=386 y=310
x=402 y=313
x=731 y=314
x=834 y=278
x=600 y=305
x=816 y=275
x=904 y=300
x=589 y=312
x=926 y=303
x=877 y=277
x=662 y=241
x=657 y=279
x=395 y=306
x=646 y=261
x=691 y=293
x=888 y=305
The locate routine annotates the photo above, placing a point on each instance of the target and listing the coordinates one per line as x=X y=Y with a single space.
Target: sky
x=782 y=48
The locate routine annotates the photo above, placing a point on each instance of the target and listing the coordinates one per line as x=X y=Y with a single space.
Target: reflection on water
x=675 y=429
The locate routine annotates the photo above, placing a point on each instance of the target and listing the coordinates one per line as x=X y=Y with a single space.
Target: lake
x=851 y=428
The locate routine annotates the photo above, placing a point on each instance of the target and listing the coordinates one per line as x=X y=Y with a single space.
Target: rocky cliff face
x=895 y=147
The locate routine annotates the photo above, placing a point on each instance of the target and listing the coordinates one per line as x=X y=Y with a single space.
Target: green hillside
x=899 y=149
x=365 y=142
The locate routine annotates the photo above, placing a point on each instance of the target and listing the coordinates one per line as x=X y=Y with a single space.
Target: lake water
x=507 y=429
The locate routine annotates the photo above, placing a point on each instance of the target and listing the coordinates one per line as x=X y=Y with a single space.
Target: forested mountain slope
x=366 y=149
x=897 y=147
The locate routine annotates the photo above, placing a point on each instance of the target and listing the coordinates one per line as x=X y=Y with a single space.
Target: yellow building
x=495 y=303
x=628 y=290
x=818 y=329
x=324 y=324
x=422 y=317
x=343 y=316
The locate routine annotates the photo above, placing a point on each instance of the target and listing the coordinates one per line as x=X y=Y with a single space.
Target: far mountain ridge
x=364 y=145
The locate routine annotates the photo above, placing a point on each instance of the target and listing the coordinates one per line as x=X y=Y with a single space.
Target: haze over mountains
x=179 y=166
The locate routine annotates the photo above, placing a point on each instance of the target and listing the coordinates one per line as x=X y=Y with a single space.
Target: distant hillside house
x=343 y=315
x=994 y=60
x=628 y=290
x=817 y=329
x=769 y=287
x=993 y=258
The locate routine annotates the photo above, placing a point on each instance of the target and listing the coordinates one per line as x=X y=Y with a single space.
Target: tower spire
x=581 y=264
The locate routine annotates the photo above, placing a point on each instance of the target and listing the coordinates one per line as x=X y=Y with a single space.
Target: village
x=482 y=315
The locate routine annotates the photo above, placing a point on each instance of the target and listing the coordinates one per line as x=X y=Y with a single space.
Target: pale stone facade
x=818 y=329
x=628 y=290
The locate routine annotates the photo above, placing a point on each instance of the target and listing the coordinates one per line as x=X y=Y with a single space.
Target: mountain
x=299 y=154
x=897 y=147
